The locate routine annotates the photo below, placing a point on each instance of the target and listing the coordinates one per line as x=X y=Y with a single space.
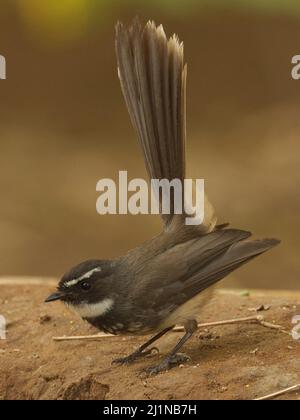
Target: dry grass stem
x=257 y=319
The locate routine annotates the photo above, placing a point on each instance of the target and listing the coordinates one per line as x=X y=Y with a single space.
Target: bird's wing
x=152 y=73
x=235 y=256
x=188 y=269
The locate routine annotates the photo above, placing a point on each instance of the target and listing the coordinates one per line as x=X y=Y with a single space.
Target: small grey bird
x=164 y=281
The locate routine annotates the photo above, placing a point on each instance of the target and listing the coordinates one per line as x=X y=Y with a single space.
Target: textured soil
x=242 y=361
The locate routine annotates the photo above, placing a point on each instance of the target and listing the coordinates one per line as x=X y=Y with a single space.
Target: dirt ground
x=242 y=361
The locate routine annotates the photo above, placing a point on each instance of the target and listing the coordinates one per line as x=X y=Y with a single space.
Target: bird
x=168 y=279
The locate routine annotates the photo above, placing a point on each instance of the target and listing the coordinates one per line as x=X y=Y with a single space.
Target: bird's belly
x=190 y=310
x=116 y=326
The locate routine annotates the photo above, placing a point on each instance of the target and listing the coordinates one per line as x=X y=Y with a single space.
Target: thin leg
x=173 y=358
x=140 y=351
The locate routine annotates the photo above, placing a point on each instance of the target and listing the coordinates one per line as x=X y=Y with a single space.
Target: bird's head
x=86 y=288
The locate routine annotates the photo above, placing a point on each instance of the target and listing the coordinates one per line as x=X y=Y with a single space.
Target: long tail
x=153 y=79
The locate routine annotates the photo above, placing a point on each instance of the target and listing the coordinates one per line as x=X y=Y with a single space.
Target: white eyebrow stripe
x=87 y=275
x=93 y=310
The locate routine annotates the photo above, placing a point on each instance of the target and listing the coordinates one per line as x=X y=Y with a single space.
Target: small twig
x=274 y=327
x=259 y=319
x=82 y=337
x=277 y=394
x=220 y=323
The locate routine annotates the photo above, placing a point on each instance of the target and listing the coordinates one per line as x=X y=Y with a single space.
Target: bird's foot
x=179 y=358
x=167 y=364
x=134 y=356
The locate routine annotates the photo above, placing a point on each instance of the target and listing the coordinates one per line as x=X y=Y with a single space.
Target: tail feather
x=153 y=74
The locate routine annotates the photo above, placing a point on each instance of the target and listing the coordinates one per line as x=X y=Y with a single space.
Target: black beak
x=55 y=296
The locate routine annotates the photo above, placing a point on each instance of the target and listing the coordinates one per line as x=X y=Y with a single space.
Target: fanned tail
x=153 y=74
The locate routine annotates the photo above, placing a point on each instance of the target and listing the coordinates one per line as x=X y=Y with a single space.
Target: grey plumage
x=179 y=273
x=167 y=279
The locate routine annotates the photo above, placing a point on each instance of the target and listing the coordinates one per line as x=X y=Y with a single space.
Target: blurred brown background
x=63 y=126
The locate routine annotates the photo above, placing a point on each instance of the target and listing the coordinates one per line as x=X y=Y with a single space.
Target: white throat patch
x=87 y=275
x=92 y=310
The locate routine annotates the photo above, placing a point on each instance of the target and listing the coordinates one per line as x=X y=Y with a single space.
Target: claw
x=134 y=356
x=161 y=367
x=179 y=358
x=167 y=364
x=124 y=360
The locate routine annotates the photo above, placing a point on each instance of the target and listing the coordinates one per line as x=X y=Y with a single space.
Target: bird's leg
x=173 y=357
x=140 y=352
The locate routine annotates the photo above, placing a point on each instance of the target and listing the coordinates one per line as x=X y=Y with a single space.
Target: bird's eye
x=85 y=285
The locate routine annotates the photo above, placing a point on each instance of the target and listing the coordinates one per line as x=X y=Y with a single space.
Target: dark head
x=87 y=288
